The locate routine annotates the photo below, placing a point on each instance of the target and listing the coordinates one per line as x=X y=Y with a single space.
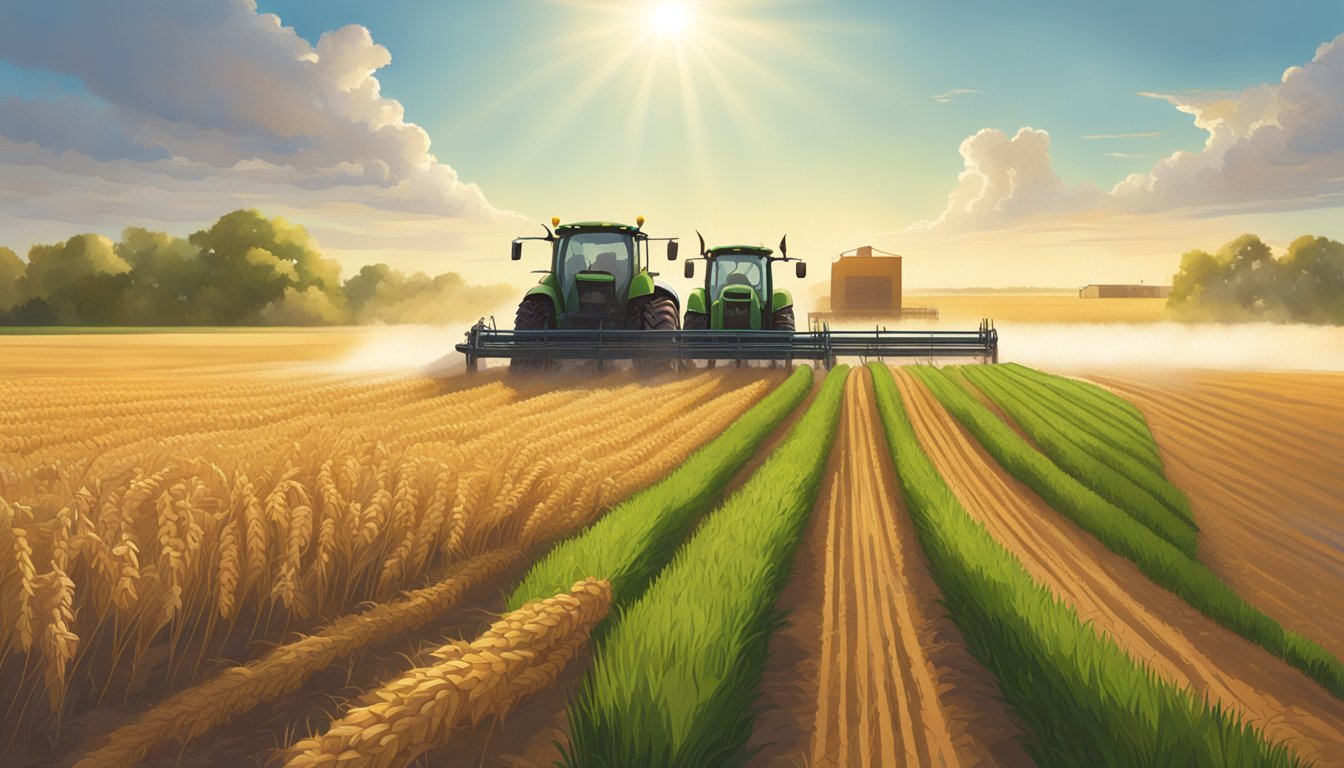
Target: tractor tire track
x=1151 y=624
x=894 y=683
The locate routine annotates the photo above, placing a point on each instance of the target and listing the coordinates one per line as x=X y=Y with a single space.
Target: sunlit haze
x=1012 y=144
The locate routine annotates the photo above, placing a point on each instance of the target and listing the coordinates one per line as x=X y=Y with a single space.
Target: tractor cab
x=599 y=278
x=739 y=292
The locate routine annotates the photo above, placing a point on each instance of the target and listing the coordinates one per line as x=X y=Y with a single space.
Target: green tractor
x=740 y=292
x=599 y=279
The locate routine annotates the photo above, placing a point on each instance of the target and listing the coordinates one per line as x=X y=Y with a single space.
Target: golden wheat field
x=179 y=549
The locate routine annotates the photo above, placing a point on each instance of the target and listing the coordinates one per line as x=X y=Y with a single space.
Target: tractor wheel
x=695 y=321
x=653 y=313
x=783 y=320
x=535 y=313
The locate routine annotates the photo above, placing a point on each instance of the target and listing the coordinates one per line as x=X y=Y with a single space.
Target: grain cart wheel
x=653 y=313
x=535 y=313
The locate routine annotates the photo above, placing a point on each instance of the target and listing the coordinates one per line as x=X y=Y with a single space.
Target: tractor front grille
x=596 y=297
x=737 y=315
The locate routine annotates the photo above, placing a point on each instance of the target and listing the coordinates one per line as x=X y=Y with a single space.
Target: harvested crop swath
x=630 y=544
x=1166 y=565
x=674 y=680
x=1080 y=447
x=129 y=565
x=518 y=655
x=1084 y=701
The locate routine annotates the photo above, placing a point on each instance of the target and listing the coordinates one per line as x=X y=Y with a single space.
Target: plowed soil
x=1261 y=456
x=1152 y=624
x=887 y=679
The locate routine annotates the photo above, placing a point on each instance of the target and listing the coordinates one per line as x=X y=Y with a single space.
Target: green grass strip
x=1096 y=437
x=1101 y=400
x=674 y=682
x=1166 y=565
x=632 y=542
x=1083 y=700
x=1092 y=400
x=1073 y=446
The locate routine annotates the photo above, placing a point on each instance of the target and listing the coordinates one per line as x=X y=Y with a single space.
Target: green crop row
x=1098 y=438
x=674 y=681
x=631 y=543
x=1082 y=700
x=1103 y=404
x=1077 y=446
x=1092 y=402
x=1162 y=562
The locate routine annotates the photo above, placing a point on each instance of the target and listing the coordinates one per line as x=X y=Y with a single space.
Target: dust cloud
x=1252 y=346
x=409 y=349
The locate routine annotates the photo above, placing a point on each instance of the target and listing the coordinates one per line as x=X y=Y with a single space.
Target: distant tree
x=11 y=269
x=166 y=273
x=1243 y=281
x=244 y=269
x=249 y=260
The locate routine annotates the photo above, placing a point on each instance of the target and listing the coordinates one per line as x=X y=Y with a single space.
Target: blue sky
x=812 y=116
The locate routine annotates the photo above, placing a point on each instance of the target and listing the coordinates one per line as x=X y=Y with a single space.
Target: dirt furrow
x=1152 y=624
x=893 y=683
x=1273 y=528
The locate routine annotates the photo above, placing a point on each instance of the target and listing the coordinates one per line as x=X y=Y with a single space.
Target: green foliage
x=1083 y=448
x=1083 y=700
x=246 y=269
x=674 y=682
x=11 y=269
x=1243 y=281
x=1161 y=561
x=631 y=543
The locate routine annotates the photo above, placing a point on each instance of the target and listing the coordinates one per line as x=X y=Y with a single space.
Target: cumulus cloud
x=1006 y=180
x=194 y=106
x=1271 y=147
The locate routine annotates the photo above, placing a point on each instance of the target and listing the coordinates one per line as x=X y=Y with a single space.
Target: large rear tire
x=783 y=320
x=695 y=321
x=535 y=313
x=653 y=313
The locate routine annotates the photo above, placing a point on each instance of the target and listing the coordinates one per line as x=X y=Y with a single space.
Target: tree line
x=245 y=269
x=1244 y=281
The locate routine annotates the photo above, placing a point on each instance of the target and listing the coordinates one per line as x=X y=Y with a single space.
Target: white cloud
x=1271 y=147
x=195 y=107
x=1006 y=180
x=950 y=96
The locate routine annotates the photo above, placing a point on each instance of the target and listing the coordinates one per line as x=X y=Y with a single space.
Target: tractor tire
x=783 y=320
x=534 y=314
x=695 y=321
x=653 y=313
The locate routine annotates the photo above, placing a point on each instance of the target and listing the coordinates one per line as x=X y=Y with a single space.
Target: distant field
x=103 y=351
x=1042 y=308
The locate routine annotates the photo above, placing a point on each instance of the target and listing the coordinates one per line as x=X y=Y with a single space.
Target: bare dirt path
x=1152 y=624
x=890 y=682
x=1262 y=460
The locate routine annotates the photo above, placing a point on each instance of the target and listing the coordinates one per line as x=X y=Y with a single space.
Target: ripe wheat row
x=520 y=654
x=221 y=529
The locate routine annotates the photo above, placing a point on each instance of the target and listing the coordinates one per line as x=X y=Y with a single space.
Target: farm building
x=1124 y=292
x=864 y=283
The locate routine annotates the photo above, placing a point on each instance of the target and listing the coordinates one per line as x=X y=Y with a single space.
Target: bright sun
x=670 y=19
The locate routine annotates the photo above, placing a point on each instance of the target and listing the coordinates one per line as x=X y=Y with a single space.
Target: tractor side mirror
x=517 y=253
x=800 y=269
x=672 y=247
x=690 y=269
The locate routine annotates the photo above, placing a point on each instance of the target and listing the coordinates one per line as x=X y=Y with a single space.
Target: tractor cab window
x=593 y=254
x=744 y=270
